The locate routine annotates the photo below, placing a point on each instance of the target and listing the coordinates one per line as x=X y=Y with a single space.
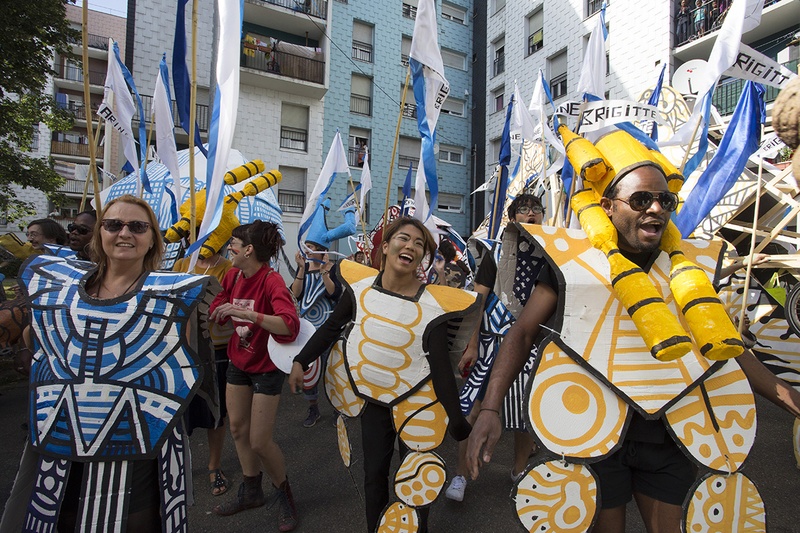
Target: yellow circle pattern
x=420 y=478
x=726 y=504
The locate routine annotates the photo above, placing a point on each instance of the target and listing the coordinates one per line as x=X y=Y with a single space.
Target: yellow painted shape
x=726 y=504
x=420 y=478
x=420 y=420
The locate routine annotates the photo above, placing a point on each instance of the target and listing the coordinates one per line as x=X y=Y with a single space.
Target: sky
x=114 y=7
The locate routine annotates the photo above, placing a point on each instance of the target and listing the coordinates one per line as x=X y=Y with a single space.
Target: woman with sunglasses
x=396 y=348
x=112 y=372
x=80 y=233
x=255 y=298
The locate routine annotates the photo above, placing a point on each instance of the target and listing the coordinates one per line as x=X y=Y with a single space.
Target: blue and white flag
x=165 y=133
x=223 y=115
x=118 y=82
x=653 y=101
x=593 y=71
x=181 y=80
x=335 y=163
x=741 y=139
x=407 y=203
x=743 y=16
x=501 y=185
x=365 y=184
x=430 y=91
x=350 y=200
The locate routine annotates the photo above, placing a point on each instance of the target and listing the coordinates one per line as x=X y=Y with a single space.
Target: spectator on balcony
x=682 y=23
x=699 y=18
x=45 y=231
x=362 y=152
x=81 y=232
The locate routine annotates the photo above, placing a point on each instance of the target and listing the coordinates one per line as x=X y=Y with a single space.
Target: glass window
x=535 y=26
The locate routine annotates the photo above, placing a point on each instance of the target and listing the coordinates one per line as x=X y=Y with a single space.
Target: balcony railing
x=535 y=41
x=74 y=187
x=727 y=94
x=361 y=105
x=404 y=59
x=593 y=6
x=73 y=149
x=362 y=51
x=353 y=153
x=74 y=73
x=291 y=201
x=79 y=110
x=284 y=64
x=98 y=42
x=499 y=65
x=404 y=161
x=147 y=106
x=702 y=20
x=409 y=11
x=315 y=8
x=294 y=139
x=409 y=110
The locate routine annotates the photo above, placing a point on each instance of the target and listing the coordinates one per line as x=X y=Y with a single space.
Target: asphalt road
x=329 y=496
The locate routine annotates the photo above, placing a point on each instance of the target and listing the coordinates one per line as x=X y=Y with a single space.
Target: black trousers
x=377 y=441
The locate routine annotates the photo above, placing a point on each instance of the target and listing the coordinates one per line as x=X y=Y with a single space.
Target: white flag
x=165 y=129
x=593 y=70
x=754 y=66
x=119 y=113
x=366 y=182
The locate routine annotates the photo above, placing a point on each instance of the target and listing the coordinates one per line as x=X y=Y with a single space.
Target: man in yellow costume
x=641 y=374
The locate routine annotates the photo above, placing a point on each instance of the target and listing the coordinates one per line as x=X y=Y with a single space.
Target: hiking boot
x=287 y=512
x=456 y=489
x=250 y=496
x=313 y=416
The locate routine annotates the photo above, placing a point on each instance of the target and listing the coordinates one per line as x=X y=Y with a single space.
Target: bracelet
x=487 y=409
x=300 y=278
x=325 y=272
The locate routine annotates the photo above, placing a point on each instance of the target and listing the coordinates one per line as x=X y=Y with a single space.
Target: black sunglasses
x=80 y=228
x=113 y=225
x=524 y=210
x=642 y=200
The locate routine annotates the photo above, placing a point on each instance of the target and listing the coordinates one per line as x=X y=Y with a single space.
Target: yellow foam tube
x=674 y=176
x=662 y=333
x=243 y=172
x=708 y=321
x=583 y=155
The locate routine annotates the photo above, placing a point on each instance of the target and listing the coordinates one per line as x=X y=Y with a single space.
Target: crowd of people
x=385 y=336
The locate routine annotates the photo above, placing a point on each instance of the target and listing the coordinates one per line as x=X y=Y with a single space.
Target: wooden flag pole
x=87 y=102
x=192 y=119
x=749 y=269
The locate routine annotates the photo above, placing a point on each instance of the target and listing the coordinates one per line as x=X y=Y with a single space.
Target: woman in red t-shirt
x=256 y=299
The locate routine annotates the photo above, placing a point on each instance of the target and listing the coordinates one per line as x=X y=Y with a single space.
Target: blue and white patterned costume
x=109 y=381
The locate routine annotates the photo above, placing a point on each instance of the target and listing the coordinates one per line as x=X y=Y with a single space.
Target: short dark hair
x=523 y=200
x=447 y=249
x=263 y=236
x=51 y=230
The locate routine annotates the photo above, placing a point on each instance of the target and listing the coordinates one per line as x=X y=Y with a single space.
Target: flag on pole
x=181 y=80
x=118 y=80
x=741 y=139
x=405 y=205
x=366 y=182
x=350 y=200
x=223 y=115
x=593 y=71
x=335 y=163
x=430 y=91
x=165 y=133
x=501 y=185
x=654 y=98
x=742 y=16
x=522 y=127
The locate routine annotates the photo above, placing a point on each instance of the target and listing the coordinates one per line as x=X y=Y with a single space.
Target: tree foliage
x=31 y=31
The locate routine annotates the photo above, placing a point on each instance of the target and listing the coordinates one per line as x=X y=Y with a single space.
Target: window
x=357 y=145
x=499 y=64
x=498 y=99
x=292 y=189
x=450 y=203
x=362 y=41
x=408 y=152
x=361 y=95
x=405 y=50
x=607 y=43
x=451 y=154
x=410 y=9
x=557 y=66
x=454 y=59
x=455 y=13
x=409 y=107
x=498 y=5
x=453 y=107
x=495 y=146
x=593 y=6
x=535 y=26
x=294 y=127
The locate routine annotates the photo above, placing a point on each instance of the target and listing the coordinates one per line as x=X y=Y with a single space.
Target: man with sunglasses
x=642 y=461
x=80 y=233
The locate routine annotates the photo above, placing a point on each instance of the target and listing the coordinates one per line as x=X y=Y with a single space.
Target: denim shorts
x=269 y=383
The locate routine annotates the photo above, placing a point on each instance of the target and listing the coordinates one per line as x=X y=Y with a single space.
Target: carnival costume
x=618 y=345
x=109 y=382
x=382 y=363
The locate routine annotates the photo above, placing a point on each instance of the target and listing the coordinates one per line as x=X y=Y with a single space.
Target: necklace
x=103 y=286
x=209 y=266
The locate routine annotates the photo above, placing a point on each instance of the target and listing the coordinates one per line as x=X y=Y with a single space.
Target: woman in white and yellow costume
x=638 y=372
x=391 y=367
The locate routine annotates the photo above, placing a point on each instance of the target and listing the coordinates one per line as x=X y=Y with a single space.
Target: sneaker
x=456 y=489
x=313 y=416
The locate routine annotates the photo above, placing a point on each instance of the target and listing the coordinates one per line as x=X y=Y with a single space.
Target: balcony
x=404 y=59
x=73 y=149
x=75 y=74
x=201 y=113
x=499 y=65
x=361 y=105
x=362 y=51
x=294 y=139
x=353 y=153
x=535 y=41
x=98 y=42
x=74 y=187
x=404 y=161
x=778 y=16
x=79 y=110
x=291 y=201
x=289 y=16
x=275 y=69
x=315 y=8
x=409 y=11
x=727 y=93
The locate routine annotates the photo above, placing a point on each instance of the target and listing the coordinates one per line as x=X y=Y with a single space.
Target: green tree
x=30 y=32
